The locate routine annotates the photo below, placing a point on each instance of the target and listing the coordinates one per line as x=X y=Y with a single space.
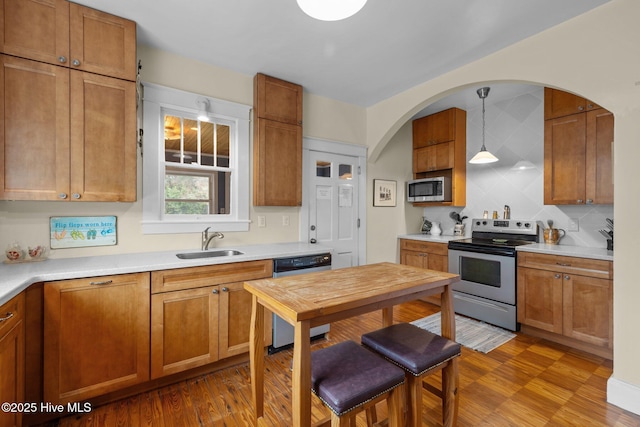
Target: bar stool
x=349 y=378
x=419 y=353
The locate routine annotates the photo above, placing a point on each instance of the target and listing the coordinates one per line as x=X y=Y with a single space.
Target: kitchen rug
x=470 y=333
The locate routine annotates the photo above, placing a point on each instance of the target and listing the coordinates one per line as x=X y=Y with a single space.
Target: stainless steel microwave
x=436 y=189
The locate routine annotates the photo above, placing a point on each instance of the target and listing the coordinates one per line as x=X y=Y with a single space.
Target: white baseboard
x=624 y=395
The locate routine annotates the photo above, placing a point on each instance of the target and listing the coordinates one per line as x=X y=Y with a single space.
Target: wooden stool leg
x=372 y=416
x=414 y=414
x=395 y=407
x=450 y=393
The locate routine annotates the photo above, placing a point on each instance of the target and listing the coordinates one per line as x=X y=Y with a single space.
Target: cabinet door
x=34 y=130
x=103 y=138
x=414 y=259
x=184 y=330
x=235 y=320
x=588 y=309
x=102 y=43
x=277 y=100
x=434 y=157
x=277 y=177
x=564 y=160
x=599 y=167
x=434 y=129
x=438 y=262
x=12 y=358
x=96 y=336
x=35 y=29
x=540 y=299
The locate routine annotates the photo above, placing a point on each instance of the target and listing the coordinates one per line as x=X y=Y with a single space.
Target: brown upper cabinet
x=440 y=149
x=558 y=103
x=578 y=148
x=277 y=142
x=69 y=35
x=69 y=130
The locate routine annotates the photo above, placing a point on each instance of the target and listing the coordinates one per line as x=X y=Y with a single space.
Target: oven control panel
x=520 y=226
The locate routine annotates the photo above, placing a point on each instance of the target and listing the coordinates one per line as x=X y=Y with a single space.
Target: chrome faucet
x=207 y=238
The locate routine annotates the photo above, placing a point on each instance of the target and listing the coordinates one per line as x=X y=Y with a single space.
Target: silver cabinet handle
x=567 y=277
x=76 y=63
x=225 y=289
x=7 y=317
x=62 y=196
x=579 y=200
x=215 y=291
x=557 y=276
x=581 y=108
x=105 y=282
x=76 y=195
x=62 y=59
x=589 y=201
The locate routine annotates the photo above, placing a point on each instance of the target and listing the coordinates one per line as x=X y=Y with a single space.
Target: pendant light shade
x=331 y=10
x=483 y=155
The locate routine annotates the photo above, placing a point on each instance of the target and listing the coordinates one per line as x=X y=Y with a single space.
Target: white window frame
x=158 y=98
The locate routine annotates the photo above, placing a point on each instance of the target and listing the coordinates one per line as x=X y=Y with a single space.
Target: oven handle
x=480 y=302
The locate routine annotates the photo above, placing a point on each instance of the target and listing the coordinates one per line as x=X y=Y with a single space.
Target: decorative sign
x=384 y=192
x=82 y=231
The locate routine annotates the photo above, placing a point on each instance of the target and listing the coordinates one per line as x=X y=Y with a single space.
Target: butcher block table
x=314 y=299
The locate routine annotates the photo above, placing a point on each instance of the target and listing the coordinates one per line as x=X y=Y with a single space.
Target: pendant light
x=331 y=10
x=483 y=155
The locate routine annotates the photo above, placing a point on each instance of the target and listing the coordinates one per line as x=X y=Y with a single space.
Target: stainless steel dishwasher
x=282 y=330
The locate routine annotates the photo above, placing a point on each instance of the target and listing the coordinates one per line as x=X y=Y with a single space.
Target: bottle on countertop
x=507 y=212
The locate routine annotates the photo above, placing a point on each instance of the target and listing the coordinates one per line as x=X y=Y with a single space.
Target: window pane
x=344 y=171
x=172 y=137
x=323 y=169
x=186 y=208
x=207 y=147
x=177 y=186
x=190 y=130
x=223 y=145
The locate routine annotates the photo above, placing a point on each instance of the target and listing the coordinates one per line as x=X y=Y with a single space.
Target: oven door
x=485 y=275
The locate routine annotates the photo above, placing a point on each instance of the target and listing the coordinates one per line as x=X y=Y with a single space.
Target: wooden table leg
x=256 y=355
x=301 y=393
x=387 y=316
x=449 y=373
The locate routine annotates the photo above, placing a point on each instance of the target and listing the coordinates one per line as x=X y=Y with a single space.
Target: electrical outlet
x=262 y=221
x=285 y=220
x=574 y=224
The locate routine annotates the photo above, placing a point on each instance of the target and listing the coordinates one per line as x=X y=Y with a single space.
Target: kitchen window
x=195 y=170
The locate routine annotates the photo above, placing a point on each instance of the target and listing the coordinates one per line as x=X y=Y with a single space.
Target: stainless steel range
x=486 y=264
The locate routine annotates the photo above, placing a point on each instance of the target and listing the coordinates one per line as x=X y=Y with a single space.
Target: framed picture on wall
x=384 y=192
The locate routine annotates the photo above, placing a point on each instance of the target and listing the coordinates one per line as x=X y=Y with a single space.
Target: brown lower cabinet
x=103 y=335
x=12 y=359
x=430 y=255
x=201 y=315
x=96 y=336
x=567 y=299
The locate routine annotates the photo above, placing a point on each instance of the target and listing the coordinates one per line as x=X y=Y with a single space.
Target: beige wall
x=28 y=222
x=594 y=55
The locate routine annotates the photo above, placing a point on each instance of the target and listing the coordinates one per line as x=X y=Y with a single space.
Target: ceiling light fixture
x=203 y=109
x=483 y=155
x=331 y=10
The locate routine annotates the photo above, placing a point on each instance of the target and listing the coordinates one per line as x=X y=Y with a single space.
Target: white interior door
x=334 y=205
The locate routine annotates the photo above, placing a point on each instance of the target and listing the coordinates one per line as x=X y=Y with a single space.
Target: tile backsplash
x=514 y=132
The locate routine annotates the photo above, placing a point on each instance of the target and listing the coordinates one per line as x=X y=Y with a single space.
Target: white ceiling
x=386 y=48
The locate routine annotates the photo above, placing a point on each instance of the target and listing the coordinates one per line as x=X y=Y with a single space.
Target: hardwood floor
x=525 y=382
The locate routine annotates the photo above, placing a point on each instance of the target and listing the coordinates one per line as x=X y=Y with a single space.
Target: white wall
x=594 y=55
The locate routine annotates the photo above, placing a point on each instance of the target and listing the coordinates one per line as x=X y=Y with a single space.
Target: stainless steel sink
x=209 y=254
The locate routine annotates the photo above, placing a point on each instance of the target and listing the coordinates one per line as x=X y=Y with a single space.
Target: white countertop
x=429 y=238
x=566 y=250
x=14 y=278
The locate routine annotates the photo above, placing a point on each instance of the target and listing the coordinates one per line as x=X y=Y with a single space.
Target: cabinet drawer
x=565 y=264
x=420 y=246
x=11 y=313
x=197 y=277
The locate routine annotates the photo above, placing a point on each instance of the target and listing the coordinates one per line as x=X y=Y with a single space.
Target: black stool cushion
x=410 y=347
x=346 y=375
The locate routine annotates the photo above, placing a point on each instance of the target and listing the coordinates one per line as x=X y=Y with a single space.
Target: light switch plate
x=574 y=224
x=262 y=221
